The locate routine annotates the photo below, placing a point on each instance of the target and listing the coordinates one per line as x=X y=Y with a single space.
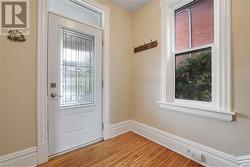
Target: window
x=196 y=57
x=193 y=44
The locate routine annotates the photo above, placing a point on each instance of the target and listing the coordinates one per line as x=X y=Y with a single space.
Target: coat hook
x=145 y=46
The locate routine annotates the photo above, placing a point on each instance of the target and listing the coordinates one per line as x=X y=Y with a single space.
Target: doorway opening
x=81 y=12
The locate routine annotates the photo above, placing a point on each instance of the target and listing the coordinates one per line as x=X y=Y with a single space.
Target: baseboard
x=244 y=161
x=42 y=153
x=210 y=157
x=23 y=158
x=117 y=129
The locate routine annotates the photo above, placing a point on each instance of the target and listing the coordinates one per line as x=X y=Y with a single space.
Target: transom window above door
x=196 y=57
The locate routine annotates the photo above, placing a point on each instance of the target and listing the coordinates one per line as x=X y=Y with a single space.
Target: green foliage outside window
x=193 y=77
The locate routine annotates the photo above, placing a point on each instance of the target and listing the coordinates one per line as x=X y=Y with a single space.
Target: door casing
x=42 y=36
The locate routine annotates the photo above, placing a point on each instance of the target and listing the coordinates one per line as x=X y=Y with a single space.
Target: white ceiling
x=130 y=5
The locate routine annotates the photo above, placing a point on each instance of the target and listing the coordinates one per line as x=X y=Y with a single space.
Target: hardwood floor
x=127 y=150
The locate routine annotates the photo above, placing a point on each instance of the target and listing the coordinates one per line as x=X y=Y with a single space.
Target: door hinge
x=102 y=42
x=102 y=125
x=102 y=84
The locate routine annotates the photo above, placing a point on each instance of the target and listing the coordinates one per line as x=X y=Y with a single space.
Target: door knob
x=53 y=95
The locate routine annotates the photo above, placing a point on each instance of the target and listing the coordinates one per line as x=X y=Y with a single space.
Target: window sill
x=208 y=112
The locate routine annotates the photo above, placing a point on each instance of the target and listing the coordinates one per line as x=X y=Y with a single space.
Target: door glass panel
x=77 y=68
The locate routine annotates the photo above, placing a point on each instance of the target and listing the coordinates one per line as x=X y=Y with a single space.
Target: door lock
x=53 y=85
x=53 y=95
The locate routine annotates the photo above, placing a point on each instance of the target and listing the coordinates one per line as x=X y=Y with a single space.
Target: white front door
x=74 y=84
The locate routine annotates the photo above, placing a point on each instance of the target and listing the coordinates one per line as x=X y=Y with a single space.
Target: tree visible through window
x=194 y=34
x=193 y=76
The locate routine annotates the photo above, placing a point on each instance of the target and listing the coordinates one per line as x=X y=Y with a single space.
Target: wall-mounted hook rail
x=146 y=46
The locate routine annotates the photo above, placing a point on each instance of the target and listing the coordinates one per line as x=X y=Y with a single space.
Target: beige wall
x=120 y=63
x=18 y=68
x=230 y=137
x=18 y=96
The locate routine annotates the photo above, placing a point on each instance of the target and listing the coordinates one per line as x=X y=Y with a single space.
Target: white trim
x=213 y=157
x=193 y=49
x=175 y=4
x=106 y=71
x=244 y=161
x=220 y=108
x=211 y=113
x=75 y=20
x=42 y=116
x=23 y=158
x=91 y=5
x=118 y=129
x=42 y=132
x=210 y=156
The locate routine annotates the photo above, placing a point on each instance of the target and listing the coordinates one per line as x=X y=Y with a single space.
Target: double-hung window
x=196 y=57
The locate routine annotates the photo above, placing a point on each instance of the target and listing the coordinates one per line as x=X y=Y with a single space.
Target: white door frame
x=42 y=115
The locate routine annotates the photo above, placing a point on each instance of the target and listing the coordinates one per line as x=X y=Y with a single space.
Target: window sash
x=193 y=49
x=213 y=92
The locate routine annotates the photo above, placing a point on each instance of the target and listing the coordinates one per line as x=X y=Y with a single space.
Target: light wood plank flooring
x=127 y=150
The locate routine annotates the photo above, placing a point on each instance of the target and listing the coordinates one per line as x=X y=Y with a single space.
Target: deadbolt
x=53 y=85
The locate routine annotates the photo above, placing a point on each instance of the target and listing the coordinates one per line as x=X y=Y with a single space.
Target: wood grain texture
x=127 y=150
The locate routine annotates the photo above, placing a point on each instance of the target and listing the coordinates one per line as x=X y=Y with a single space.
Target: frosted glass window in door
x=77 y=69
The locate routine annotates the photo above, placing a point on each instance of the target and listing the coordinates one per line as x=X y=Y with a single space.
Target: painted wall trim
x=226 y=116
x=211 y=156
x=42 y=115
x=244 y=161
x=42 y=129
x=22 y=158
x=118 y=129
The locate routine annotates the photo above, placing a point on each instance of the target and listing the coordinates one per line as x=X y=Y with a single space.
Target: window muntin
x=77 y=69
x=194 y=28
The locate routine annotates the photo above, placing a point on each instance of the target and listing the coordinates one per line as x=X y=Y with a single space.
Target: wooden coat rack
x=146 y=46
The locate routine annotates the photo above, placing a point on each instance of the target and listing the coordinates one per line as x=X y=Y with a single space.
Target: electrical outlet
x=195 y=154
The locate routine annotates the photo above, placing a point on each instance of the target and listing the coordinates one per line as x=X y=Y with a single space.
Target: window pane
x=182 y=30
x=193 y=76
x=77 y=69
x=194 y=25
x=81 y=12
